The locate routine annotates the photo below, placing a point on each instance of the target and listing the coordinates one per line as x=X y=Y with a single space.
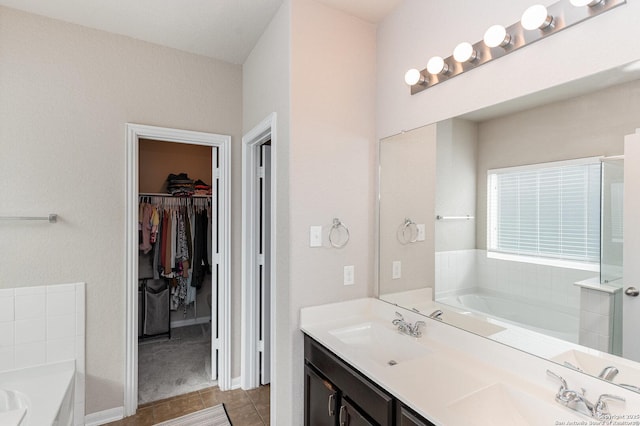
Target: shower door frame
x=222 y=173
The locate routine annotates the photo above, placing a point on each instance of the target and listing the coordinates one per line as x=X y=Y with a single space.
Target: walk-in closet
x=177 y=273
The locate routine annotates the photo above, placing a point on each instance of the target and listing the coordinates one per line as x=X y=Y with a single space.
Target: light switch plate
x=396 y=270
x=315 y=236
x=349 y=272
x=421 y=232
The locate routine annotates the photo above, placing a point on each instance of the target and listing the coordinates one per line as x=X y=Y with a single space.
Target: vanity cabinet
x=336 y=394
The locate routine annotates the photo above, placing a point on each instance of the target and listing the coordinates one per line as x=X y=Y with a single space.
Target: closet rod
x=162 y=194
x=52 y=218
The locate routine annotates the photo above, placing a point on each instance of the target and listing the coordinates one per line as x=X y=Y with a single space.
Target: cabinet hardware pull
x=331 y=404
x=343 y=411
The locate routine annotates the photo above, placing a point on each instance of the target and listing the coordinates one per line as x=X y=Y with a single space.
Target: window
x=546 y=211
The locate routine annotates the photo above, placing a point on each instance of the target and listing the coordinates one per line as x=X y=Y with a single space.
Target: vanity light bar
x=560 y=15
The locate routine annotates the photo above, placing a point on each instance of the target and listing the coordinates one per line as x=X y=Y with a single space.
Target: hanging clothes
x=145 y=246
x=200 y=255
x=176 y=231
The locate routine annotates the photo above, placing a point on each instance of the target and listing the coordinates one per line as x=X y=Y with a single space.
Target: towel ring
x=407 y=237
x=335 y=229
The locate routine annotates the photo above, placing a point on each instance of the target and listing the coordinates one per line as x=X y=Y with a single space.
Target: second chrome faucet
x=577 y=401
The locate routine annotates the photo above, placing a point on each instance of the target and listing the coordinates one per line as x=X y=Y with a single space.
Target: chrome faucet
x=577 y=401
x=413 y=330
x=437 y=314
x=608 y=373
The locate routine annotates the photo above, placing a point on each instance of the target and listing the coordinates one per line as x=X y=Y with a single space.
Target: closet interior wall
x=158 y=159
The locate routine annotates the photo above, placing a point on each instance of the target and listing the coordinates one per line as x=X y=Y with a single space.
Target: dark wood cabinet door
x=320 y=400
x=349 y=415
x=407 y=417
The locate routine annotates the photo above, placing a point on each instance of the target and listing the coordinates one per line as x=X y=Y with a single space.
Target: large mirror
x=507 y=222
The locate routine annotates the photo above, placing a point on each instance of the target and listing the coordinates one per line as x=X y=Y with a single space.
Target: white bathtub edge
x=103 y=417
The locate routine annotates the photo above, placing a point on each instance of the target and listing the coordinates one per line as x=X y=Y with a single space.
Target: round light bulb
x=590 y=3
x=536 y=17
x=464 y=52
x=496 y=36
x=436 y=65
x=413 y=77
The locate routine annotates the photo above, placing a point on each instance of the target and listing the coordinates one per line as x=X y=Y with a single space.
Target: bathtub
x=36 y=396
x=562 y=324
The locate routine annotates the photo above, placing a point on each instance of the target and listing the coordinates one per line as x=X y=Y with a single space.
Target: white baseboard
x=191 y=321
x=103 y=417
x=235 y=383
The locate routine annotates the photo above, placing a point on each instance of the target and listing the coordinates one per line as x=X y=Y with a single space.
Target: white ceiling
x=223 y=29
x=369 y=10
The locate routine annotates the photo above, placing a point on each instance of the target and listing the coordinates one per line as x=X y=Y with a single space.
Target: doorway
x=178 y=222
x=220 y=259
x=258 y=254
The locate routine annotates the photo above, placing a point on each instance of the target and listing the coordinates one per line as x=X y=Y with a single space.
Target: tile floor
x=245 y=408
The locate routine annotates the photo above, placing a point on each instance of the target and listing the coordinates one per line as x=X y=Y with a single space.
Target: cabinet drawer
x=376 y=403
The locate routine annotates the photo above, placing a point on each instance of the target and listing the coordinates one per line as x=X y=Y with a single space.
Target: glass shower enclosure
x=611 y=231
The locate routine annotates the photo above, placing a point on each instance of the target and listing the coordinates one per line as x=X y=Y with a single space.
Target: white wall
x=332 y=162
x=67 y=92
x=266 y=90
x=419 y=29
x=407 y=185
x=310 y=76
x=307 y=68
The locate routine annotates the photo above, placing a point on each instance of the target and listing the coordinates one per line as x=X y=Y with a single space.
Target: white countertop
x=457 y=365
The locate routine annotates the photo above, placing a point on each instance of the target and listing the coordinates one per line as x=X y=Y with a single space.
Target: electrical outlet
x=421 y=232
x=396 y=270
x=349 y=278
x=315 y=236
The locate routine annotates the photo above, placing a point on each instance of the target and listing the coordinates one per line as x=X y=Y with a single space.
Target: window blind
x=550 y=210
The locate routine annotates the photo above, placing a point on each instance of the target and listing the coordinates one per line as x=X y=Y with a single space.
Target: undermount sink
x=500 y=404
x=381 y=344
x=594 y=365
x=13 y=407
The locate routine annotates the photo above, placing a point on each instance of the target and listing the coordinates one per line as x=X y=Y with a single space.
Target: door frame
x=249 y=364
x=630 y=248
x=135 y=132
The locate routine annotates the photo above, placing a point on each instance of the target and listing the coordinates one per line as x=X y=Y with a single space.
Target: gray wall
x=417 y=29
x=67 y=92
x=407 y=184
x=455 y=190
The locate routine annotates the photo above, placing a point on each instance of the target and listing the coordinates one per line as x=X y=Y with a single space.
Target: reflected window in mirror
x=547 y=214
